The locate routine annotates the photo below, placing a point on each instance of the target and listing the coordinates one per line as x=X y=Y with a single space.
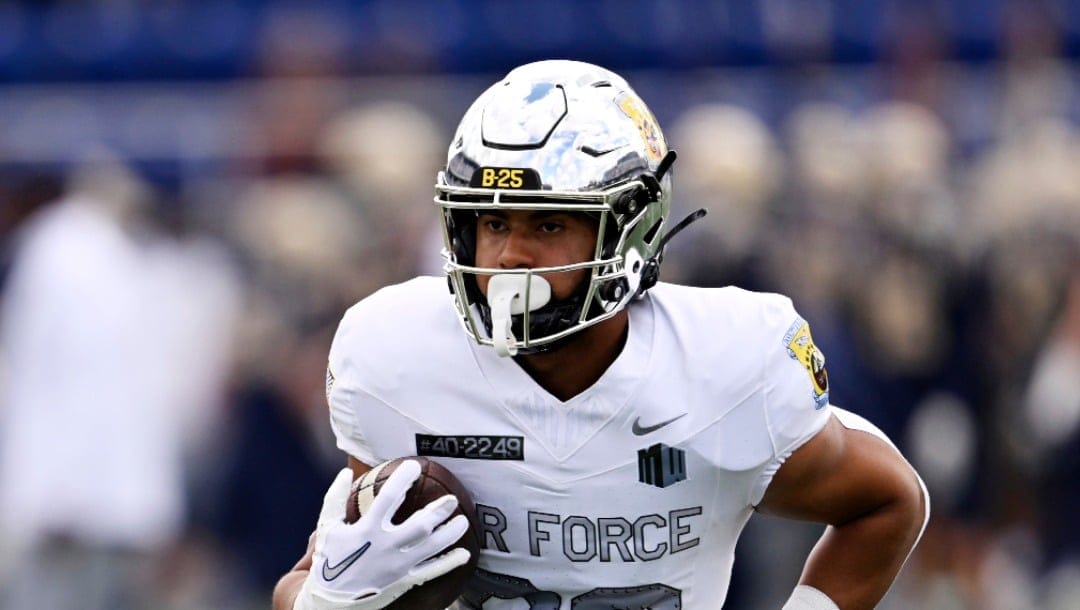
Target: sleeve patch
x=801 y=348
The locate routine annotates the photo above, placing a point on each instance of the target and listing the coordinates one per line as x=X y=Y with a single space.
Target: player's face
x=526 y=239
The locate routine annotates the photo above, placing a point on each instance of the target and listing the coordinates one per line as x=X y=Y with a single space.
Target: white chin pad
x=511 y=294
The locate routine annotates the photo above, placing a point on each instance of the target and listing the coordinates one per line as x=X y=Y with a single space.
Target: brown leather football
x=435 y=481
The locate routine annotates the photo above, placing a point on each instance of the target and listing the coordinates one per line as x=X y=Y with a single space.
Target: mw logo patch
x=661 y=465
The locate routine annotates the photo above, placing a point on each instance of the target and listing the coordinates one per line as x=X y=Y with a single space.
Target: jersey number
x=485 y=585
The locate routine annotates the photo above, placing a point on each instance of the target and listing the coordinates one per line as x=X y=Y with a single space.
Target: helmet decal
x=506 y=178
x=646 y=124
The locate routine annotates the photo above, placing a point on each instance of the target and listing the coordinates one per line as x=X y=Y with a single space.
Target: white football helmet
x=555 y=135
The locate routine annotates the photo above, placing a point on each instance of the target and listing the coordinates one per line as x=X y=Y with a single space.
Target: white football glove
x=370 y=563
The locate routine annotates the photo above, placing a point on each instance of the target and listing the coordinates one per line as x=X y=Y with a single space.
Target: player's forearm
x=288 y=588
x=856 y=562
x=289 y=585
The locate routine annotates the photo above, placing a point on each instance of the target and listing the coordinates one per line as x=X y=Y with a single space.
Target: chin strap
x=685 y=222
x=513 y=294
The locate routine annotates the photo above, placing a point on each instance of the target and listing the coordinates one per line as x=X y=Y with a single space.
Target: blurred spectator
x=384 y=156
x=1052 y=416
x=309 y=253
x=114 y=343
x=908 y=149
x=306 y=245
x=275 y=468
x=22 y=192
x=730 y=164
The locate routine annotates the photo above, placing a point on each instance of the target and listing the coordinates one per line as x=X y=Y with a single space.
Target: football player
x=616 y=432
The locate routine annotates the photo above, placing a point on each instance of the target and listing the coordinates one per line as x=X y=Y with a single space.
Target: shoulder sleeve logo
x=801 y=348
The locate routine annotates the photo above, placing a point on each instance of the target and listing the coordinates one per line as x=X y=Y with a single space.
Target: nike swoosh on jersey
x=330 y=572
x=640 y=430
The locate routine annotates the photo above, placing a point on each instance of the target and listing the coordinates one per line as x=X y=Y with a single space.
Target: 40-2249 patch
x=800 y=346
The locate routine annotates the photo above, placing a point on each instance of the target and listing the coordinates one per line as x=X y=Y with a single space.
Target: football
x=434 y=482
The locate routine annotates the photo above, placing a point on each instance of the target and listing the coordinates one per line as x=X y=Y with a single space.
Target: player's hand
x=370 y=563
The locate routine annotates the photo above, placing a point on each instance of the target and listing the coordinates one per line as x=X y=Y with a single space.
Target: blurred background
x=192 y=193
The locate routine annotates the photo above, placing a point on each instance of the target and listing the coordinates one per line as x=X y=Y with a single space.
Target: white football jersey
x=630 y=495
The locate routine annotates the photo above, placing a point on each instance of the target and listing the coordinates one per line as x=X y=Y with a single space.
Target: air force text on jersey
x=584 y=539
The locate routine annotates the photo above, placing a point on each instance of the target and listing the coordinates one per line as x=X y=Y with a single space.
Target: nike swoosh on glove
x=368 y=564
